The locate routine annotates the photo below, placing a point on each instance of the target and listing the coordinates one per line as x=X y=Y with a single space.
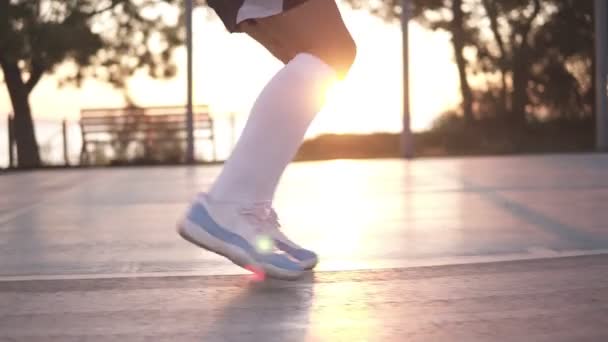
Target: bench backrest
x=102 y=124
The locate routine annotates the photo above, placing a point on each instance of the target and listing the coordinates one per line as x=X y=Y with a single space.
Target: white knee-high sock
x=274 y=131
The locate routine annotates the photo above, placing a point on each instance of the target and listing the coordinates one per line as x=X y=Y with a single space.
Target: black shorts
x=234 y=12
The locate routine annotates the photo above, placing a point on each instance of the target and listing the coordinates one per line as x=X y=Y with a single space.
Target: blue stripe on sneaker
x=199 y=215
x=298 y=253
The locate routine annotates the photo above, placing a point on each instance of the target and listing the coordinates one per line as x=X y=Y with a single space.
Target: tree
x=107 y=40
x=447 y=15
x=562 y=76
x=518 y=17
x=543 y=51
x=459 y=40
x=540 y=51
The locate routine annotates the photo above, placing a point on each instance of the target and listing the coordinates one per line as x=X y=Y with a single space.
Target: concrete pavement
x=488 y=249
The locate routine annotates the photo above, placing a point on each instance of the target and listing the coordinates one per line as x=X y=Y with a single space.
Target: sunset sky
x=369 y=100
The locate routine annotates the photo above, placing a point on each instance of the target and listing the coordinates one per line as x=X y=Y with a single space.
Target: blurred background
x=105 y=82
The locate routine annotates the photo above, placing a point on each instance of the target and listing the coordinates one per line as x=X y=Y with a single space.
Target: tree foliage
x=535 y=57
x=109 y=40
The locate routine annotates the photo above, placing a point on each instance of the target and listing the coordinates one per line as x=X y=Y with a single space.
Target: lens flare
x=257 y=275
x=264 y=244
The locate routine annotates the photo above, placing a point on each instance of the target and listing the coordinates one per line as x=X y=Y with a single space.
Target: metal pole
x=189 y=112
x=64 y=130
x=601 y=61
x=407 y=141
x=11 y=138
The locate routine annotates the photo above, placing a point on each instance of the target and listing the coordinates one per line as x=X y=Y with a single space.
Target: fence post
x=11 y=138
x=601 y=56
x=189 y=110
x=64 y=130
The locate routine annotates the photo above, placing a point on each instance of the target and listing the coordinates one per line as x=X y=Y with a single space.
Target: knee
x=338 y=55
x=344 y=57
x=349 y=55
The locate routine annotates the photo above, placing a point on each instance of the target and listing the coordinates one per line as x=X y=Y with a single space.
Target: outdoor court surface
x=471 y=249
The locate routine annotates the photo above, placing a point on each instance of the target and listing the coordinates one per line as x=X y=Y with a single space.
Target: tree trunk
x=25 y=137
x=458 y=39
x=492 y=12
x=520 y=89
x=521 y=71
x=504 y=97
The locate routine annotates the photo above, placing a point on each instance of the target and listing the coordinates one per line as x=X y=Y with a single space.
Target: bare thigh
x=315 y=27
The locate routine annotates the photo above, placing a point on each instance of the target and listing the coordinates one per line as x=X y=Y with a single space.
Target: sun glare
x=333 y=92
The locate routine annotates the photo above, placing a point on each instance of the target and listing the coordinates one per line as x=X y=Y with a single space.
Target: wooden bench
x=142 y=131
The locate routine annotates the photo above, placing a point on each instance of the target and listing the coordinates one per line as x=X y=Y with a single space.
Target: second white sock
x=274 y=131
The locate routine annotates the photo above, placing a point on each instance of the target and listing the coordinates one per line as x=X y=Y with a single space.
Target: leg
x=315 y=27
x=236 y=219
x=288 y=104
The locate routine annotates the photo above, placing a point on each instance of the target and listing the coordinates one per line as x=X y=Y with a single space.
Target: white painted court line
x=533 y=254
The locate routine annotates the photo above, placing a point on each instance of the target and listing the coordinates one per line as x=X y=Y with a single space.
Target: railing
x=60 y=140
x=45 y=146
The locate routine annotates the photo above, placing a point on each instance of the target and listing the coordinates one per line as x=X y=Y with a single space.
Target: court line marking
x=535 y=253
x=532 y=216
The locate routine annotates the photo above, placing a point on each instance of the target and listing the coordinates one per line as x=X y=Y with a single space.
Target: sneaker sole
x=309 y=265
x=198 y=236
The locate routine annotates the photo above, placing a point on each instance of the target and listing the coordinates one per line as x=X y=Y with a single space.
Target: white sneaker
x=238 y=234
x=267 y=216
x=307 y=258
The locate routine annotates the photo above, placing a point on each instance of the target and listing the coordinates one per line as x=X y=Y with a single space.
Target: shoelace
x=266 y=222
x=263 y=215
